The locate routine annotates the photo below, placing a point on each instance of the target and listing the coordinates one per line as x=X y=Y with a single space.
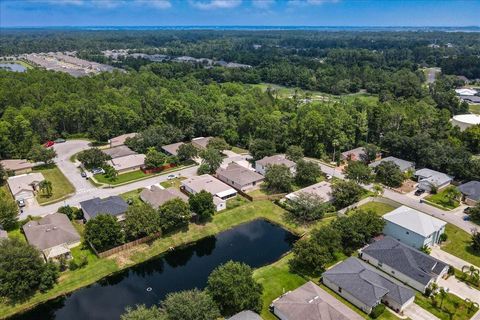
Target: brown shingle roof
x=240 y=175
x=16 y=164
x=276 y=159
x=157 y=197
x=172 y=148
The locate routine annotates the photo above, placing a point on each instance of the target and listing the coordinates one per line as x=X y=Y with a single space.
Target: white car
x=170 y=177
x=98 y=171
x=21 y=203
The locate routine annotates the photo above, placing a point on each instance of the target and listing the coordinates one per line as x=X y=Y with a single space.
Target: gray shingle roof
x=406 y=260
x=433 y=177
x=120 y=151
x=113 y=205
x=156 y=196
x=310 y=302
x=365 y=283
x=245 y=315
x=172 y=148
x=240 y=175
x=277 y=159
x=403 y=164
x=471 y=190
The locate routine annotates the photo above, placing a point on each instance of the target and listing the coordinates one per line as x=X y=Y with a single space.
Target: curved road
x=84 y=190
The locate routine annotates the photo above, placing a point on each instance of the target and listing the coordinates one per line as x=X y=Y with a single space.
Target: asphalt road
x=454 y=217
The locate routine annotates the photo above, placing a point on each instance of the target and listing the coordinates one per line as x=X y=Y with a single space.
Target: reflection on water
x=256 y=243
x=13 y=67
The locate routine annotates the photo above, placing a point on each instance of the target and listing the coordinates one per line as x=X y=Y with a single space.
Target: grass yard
x=239 y=150
x=134 y=195
x=236 y=202
x=175 y=183
x=123 y=178
x=378 y=207
x=458 y=244
x=474 y=108
x=452 y=307
x=17 y=234
x=61 y=187
x=441 y=199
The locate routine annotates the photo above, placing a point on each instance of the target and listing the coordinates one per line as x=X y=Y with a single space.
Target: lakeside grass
x=61 y=187
x=459 y=245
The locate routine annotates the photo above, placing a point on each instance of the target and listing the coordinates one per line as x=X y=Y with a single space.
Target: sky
x=40 y=13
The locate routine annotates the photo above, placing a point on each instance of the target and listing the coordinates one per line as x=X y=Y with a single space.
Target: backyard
x=61 y=187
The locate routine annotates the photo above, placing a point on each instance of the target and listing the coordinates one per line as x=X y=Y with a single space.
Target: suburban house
x=172 y=149
x=239 y=177
x=114 y=206
x=310 y=302
x=408 y=265
x=128 y=163
x=120 y=140
x=279 y=159
x=201 y=142
x=156 y=196
x=412 y=227
x=54 y=235
x=465 y=92
x=366 y=287
x=118 y=152
x=322 y=189
x=245 y=315
x=17 y=166
x=24 y=186
x=404 y=165
x=470 y=192
x=353 y=155
x=428 y=179
x=220 y=191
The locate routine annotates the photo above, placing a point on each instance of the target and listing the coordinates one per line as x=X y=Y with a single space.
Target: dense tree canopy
x=103 y=232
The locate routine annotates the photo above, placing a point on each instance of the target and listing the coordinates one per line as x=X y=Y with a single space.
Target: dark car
x=419 y=192
x=83 y=174
x=467 y=210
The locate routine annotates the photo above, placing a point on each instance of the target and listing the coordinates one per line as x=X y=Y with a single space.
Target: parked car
x=419 y=192
x=467 y=210
x=59 y=140
x=98 y=171
x=466 y=218
x=21 y=203
x=83 y=174
x=329 y=177
x=48 y=144
x=170 y=177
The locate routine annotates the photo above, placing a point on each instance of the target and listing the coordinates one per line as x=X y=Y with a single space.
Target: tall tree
x=345 y=193
x=103 y=232
x=260 y=148
x=8 y=212
x=294 y=153
x=93 y=157
x=278 y=178
x=307 y=173
x=186 y=152
x=141 y=220
x=174 y=214
x=389 y=174
x=191 y=304
x=211 y=158
x=39 y=153
x=202 y=204
x=358 y=172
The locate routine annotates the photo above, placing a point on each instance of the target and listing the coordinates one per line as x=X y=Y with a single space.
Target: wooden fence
x=126 y=246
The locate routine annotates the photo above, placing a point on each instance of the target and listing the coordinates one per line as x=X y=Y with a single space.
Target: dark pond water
x=13 y=67
x=256 y=243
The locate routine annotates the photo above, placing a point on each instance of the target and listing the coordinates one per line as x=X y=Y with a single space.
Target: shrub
x=443 y=237
x=451 y=270
x=377 y=311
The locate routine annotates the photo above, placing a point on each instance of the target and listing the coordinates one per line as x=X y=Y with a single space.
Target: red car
x=48 y=144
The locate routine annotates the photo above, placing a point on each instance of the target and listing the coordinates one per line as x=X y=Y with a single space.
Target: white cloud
x=310 y=2
x=263 y=4
x=65 y=2
x=108 y=4
x=215 y=4
x=158 y=4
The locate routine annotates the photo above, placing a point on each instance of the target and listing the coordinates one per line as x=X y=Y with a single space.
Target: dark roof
x=120 y=151
x=406 y=260
x=113 y=205
x=365 y=283
x=245 y=315
x=471 y=190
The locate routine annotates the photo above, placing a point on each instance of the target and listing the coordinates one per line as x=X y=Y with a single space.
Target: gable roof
x=16 y=164
x=172 y=148
x=113 y=206
x=322 y=189
x=278 y=159
x=120 y=140
x=355 y=154
x=403 y=164
x=414 y=220
x=433 y=177
x=245 y=315
x=119 y=151
x=127 y=162
x=365 y=283
x=201 y=142
x=156 y=196
x=406 y=260
x=50 y=231
x=239 y=174
x=471 y=190
x=23 y=182
x=310 y=302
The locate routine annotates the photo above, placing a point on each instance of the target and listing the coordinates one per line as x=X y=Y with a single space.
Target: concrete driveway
x=449 y=259
x=414 y=312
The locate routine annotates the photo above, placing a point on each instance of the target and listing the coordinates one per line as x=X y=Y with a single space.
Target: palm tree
x=443 y=295
x=377 y=190
x=471 y=304
x=472 y=271
x=46 y=187
x=110 y=173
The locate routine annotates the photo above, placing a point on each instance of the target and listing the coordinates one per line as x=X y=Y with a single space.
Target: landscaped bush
x=377 y=311
x=443 y=237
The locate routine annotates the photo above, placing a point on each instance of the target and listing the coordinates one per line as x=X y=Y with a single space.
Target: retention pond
x=256 y=243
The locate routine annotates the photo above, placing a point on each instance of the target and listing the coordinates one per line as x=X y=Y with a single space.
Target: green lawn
x=122 y=178
x=61 y=187
x=474 y=108
x=175 y=183
x=452 y=307
x=17 y=234
x=458 y=244
x=441 y=199
x=378 y=207
x=134 y=195
x=239 y=150
x=236 y=202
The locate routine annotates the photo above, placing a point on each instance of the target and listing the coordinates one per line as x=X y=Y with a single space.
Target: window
x=408 y=232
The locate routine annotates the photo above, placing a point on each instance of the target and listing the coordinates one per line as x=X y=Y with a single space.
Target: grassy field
x=452 y=307
x=378 y=207
x=458 y=244
x=441 y=199
x=474 y=108
x=61 y=187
